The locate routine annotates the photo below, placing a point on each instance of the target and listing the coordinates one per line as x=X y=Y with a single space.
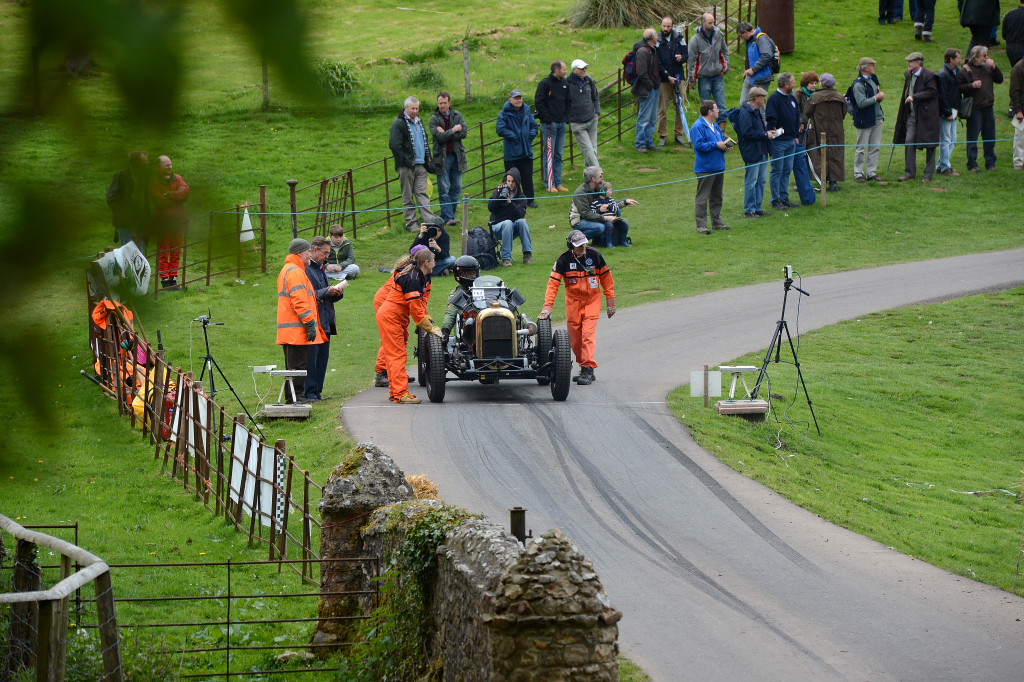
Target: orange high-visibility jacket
x=582 y=277
x=410 y=292
x=296 y=303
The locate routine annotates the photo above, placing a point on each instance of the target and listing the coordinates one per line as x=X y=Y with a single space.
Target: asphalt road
x=718 y=577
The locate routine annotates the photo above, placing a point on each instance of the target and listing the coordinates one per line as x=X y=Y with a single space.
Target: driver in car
x=467 y=269
x=585 y=274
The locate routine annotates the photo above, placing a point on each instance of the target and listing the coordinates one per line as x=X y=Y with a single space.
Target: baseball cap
x=515 y=93
x=577 y=238
x=579 y=64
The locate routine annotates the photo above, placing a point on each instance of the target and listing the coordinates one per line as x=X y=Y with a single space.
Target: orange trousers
x=378 y=301
x=581 y=323
x=393 y=325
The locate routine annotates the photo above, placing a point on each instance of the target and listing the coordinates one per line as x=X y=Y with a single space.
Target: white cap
x=579 y=64
x=577 y=238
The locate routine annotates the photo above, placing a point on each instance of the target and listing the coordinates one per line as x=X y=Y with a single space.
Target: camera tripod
x=210 y=364
x=776 y=346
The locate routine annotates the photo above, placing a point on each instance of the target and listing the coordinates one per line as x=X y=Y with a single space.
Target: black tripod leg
x=800 y=374
x=776 y=338
x=232 y=389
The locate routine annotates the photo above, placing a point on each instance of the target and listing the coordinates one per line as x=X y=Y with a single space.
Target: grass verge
x=921 y=431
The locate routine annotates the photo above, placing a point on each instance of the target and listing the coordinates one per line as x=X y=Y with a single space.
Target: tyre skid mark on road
x=724 y=496
x=629 y=515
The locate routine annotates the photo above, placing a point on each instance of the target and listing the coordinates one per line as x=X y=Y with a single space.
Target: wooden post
x=240 y=505
x=387 y=193
x=48 y=640
x=66 y=569
x=295 y=216
x=307 y=539
x=465 y=222
x=824 y=169
x=228 y=508
x=106 y=617
x=465 y=70
x=618 y=102
x=266 y=87
x=705 y=385
x=218 y=500
x=256 y=494
x=263 y=228
x=208 y=433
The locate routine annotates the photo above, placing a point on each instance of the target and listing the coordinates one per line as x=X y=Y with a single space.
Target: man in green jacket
x=410 y=146
x=341 y=262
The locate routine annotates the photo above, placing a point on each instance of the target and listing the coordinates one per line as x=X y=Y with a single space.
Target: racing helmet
x=467 y=269
x=576 y=238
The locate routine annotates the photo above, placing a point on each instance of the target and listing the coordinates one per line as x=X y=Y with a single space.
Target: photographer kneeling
x=508 y=217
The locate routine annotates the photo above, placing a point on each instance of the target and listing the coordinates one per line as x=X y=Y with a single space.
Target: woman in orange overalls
x=381 y=380
x=407 y=298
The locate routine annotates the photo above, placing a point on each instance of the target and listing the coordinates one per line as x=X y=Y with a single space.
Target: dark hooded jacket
x=668 y=49
x=503 y=205
x=438 y=234
x=753 y=137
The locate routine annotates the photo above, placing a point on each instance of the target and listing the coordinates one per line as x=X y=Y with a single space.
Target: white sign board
x=697 y=384
x=126 y=269
x=271 y=468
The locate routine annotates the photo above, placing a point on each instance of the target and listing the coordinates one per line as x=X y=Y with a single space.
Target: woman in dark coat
x=825 y=111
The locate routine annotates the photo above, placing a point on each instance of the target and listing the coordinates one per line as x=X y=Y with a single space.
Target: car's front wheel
x=436 y=372
x=560 y=381
x=543 y=346
x=421 y=358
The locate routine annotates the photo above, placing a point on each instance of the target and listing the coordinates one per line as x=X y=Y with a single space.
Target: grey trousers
x=414 y=194
x=865 y=157
x=911 y=153
x=709 y=195
x=586 y=137
x=765 y=85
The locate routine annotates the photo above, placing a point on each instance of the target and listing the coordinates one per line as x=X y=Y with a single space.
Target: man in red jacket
x=167 y=194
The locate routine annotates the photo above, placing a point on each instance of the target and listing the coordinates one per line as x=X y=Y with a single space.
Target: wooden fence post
x=106 y=617
x=240 y=505
x=263 y=228
x=295 y=216
x=307 y=539
x=824 y=169
x=257 y=494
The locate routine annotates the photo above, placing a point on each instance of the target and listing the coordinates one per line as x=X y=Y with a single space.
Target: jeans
x=713 y=87
x=911 y=9
x=347 y=272
x=646 y=120
x=505 y=232
x=782 y=166
x=802 y=177
x=592 y=228
x=983 y=121
x=316 y=368
x=525 y=167
x=865 y=156
x=125 y=235
x=557 y=143
x=449 y=187
x=442 y=264
x=925 y=15
x=753 y=185
x=947 y=138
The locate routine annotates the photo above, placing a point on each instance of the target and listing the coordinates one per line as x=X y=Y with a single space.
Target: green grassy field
x=921 y=432
x=83 y=462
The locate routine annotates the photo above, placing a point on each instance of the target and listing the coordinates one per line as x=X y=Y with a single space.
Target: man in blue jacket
x=783 y=115
x=709 y=150
x=760 y=52
x=517 y=128
x=754 y=138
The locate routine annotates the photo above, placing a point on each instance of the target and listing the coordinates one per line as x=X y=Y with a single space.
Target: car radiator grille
x=496 y=334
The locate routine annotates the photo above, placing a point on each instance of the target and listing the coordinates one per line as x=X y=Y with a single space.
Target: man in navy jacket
x=783 y=114
x=754 y=139
x=517 y=128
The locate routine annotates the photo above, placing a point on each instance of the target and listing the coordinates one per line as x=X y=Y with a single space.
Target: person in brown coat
x=977 y=76
x=917 y=121
x=825 y=111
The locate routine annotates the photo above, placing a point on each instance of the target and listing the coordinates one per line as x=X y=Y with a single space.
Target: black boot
x=586 y=376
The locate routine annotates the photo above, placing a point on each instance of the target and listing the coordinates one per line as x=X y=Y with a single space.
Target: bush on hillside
x=426 y=78
x=635 y=13
x=336 y=77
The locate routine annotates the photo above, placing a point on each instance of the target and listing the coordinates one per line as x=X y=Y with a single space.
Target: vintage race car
x=492 y=340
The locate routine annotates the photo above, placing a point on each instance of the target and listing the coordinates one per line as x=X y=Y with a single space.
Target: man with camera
x=508 y=217
x=433 y=236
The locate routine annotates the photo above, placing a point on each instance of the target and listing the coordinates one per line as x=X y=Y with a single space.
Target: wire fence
x=371 y=194
x=227 y=465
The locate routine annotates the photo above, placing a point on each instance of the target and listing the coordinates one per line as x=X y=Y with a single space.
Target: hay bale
x=422 y=487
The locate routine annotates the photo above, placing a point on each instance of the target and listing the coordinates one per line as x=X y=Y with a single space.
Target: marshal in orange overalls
x=406 y=295
x=584 y=278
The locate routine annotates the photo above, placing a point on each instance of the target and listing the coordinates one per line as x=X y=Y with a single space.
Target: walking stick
x=550 y=173
x=893 y=151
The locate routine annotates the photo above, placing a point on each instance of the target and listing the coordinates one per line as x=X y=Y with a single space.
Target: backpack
x=481 y=245
x=734 y=117
x=629 y=67
x=851 y=108
x=776 y=59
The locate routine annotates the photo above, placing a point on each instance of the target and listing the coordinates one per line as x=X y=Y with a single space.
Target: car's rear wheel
x=563 y=366
x=421 y=358
x=543 y=346
x=436 y=372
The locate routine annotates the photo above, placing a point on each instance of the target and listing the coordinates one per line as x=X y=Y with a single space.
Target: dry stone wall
x=499 y=612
